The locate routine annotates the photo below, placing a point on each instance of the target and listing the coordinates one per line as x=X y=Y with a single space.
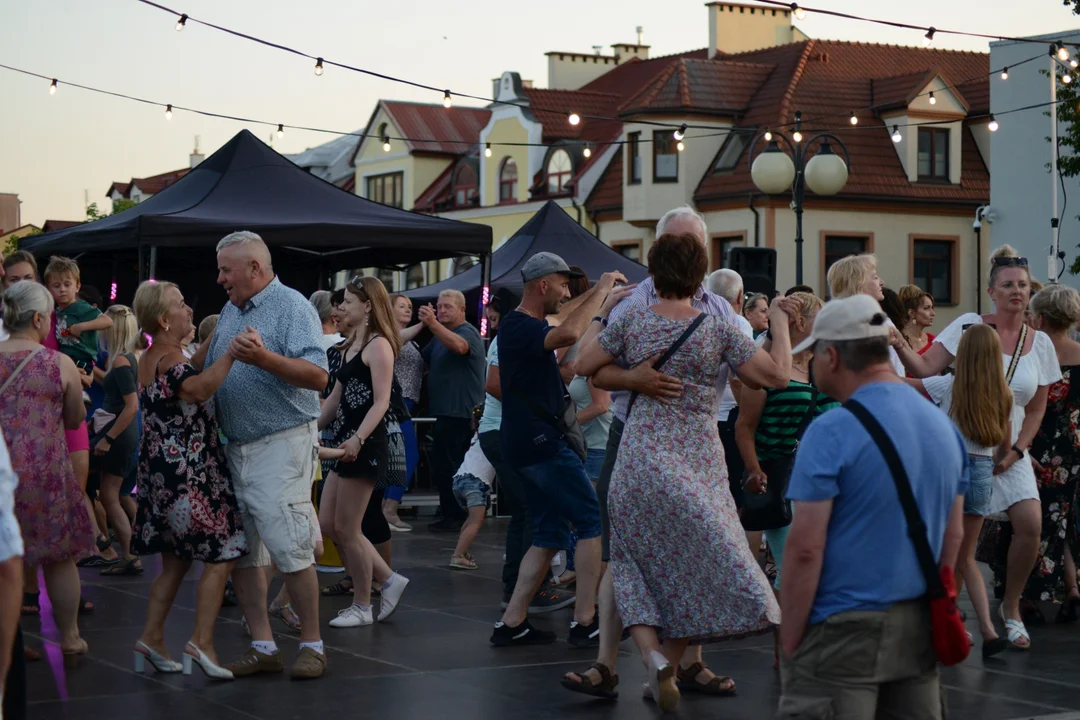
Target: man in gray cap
x=534 y=441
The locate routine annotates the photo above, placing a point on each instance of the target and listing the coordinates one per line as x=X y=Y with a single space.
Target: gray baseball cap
x=543 y=264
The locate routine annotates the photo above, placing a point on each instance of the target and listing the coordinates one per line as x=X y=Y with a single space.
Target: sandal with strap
x=463 y=562
x=124 y=568
x=604 y=689
x=31 y=605
x=717 y=685
x=286 y=614
x=339 y=588
x=1015 y=630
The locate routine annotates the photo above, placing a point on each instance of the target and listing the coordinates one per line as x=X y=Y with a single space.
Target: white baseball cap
x=858 y=317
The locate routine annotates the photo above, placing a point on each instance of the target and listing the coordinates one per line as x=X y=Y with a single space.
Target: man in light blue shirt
x=856 y=634
x=268 y=406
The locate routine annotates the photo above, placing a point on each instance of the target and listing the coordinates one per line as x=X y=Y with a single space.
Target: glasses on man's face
x=1010 y=262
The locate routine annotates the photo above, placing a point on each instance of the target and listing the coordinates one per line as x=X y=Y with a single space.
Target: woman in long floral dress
x=187 y=509
x=680 y=563
x=1056 y=455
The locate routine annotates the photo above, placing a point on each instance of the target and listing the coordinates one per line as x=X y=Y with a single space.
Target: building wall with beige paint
x=506 y=130
x=418 y=172
x=736 y=28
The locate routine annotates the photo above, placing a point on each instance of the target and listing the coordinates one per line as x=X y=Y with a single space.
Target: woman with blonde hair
x=1056 y=455
x=858 y=275
x=1031 y=366
x=356 y=411
x=114 y=432
x=918 y=316
x=979 y=401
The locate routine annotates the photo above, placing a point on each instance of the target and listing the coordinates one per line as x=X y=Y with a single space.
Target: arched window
x=414 y=278
x=508 y=177
x=466 y=184
x=559 y=170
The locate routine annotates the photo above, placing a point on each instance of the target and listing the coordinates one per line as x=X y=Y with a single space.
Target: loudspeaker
x=757 y=266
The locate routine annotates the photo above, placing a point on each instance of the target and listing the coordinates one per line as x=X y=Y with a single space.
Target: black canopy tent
x=550 y=230
x=312 y=227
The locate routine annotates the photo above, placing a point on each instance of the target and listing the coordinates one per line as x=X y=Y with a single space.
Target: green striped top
x=783 y=413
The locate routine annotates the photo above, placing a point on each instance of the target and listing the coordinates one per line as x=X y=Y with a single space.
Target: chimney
x=640 y=35
x=196 y=157
x=597 y=49
x=737 y=28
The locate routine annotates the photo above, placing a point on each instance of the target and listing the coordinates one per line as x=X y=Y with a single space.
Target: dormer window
x=559 y=171
x=934 y=154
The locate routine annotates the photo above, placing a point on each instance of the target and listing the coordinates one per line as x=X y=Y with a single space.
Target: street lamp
x=775 y=172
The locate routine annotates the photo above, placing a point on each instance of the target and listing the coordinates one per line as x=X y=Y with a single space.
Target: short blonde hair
x=459 y=297
x=807 y=303
x=1058 y=306
x=847 y=275
x=121 y=337
x=207 y=327
x=151 y=303
x=62 y=266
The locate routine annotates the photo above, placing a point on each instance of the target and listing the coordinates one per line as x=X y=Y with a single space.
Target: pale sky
x=53 y=149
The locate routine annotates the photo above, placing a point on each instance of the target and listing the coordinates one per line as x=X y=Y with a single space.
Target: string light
x=52 y=87
x=928 y=38
x=446 y=101
x=681 y=146
x=768 y=136
x=993 y=124
x=798 y=12
x=386 y=143
x=1066 y=78
x=587 y=152
x=854 y=119
x=487 y=150
x=168 y=112
x=318 y=66
x=1074 y=63
x=896 y=136
x=1062 y=53
x=933 y=100
x=797 y=136
x=1005 y=73
x=181 y=23
x=280 y=130
x=681 y=132
x=574 y=118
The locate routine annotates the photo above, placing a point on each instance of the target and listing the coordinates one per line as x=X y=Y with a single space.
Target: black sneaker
x=550 y=600
x=585 y=636
x=524 y=634
x=445 y=526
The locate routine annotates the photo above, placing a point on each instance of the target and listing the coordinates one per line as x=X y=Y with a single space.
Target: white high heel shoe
x=162 y=664
x=209 y=668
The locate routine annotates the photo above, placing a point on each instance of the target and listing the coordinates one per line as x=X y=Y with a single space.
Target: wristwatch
x=600 y=320
x=1018 y=451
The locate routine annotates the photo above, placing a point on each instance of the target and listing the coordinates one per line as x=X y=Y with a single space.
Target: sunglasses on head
x=357 y=284
x=1010 y=262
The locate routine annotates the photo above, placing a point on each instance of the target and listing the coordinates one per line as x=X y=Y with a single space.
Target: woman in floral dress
x=1056 y=455
x=680 y=563
x=187 y=509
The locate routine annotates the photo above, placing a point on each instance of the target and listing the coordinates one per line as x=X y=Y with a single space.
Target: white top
x=897 y=363
x=329 y=341
x=476 y=464
x=11 y=544
x=1038 y=368
x=939 y=388
x=727 y=400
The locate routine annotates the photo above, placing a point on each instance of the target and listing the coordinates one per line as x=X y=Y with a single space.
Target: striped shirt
x=782 y=415
x=644 y=295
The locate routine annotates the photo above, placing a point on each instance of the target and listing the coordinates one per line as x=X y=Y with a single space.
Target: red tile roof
x=607 y=193
x=700 y=86
x=51 y=225
x=149 y=185
x=122 y=188
x=457 y=128
x=898 y=92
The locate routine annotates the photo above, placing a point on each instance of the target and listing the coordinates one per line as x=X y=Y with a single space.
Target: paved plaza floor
x=433 y=660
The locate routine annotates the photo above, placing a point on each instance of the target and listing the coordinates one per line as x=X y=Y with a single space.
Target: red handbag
x=946 y=625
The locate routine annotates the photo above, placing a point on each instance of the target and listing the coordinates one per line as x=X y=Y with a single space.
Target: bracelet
x=600 y=320
x=1018 y=451
x=106 y=437
x=357 y=436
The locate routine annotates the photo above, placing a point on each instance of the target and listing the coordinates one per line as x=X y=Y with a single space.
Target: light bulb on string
x=318 y=66
x=280 y=130
x=1062 y=53
x=896 y=136
x=1074 y=63
x=573 y=118
x=681 y=132
x=386 y=143
x=768 y=136
x=933 y=100
x=798 y=12
x=1005 y=73
x=587 y=152
x=1066 y=78
x=993 y=124
x=446 y=100
x=854 y=119
x=168 y=112
x=487 y=150
x=680 y=146
x=797 y=136
x=52 y=87
x=181 y=23
x=928 y=38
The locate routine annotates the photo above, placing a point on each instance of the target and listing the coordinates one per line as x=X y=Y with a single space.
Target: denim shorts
x=471 y=491
x=594 y=463
x=980 y=487
x=559 y=494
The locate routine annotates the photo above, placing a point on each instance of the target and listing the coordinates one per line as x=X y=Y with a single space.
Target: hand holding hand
x=608 y=280
x=427 y=315
x=351 y=448
x=782 y=310
x=1005 y=461
x=103 y=446
x=615 y=297
x=247 y=347
x=647 y=381
x=757 y=481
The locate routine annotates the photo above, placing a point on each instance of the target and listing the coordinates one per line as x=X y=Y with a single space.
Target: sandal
x=994 y=647
x=604 y=689
x=103 y=543
x=339 y=588
x=124 y=568
x=286 y=614
x=96 y=561
x=717 y=685
x=31 y=604
x=463 y=562
x=85 y=606
x=566 y=580
x=1015 y=630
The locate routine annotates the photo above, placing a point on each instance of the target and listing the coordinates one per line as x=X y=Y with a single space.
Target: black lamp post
x=775 y=172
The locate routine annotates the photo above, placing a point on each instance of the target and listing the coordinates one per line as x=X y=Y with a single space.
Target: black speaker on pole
x=757 y=266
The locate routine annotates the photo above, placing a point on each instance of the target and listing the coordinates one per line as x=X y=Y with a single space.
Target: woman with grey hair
x=322 y=300
x=40 y=395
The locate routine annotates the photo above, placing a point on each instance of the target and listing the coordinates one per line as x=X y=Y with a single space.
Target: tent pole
x=485 y=291
x=153 y=262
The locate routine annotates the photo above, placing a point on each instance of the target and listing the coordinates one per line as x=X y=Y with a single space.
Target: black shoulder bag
x=667 y=356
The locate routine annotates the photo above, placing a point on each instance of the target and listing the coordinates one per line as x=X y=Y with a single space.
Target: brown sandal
x=605 y=689
x=718 y=686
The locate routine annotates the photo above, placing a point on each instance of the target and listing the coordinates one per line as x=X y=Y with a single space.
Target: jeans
x=981 y=486
x=412 y=456
x=449 y=444
x=560 y=496
x=519 y=530
x=594 y=463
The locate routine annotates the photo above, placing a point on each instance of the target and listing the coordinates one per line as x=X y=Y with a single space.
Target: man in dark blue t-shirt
x=557 y=490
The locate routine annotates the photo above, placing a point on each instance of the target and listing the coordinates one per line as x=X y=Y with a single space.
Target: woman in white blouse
x=857 y=275
x=1015 y=489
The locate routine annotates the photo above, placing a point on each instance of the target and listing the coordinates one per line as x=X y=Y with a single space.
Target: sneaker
x=585 y=636
x=446 y=526
x=392 y=595
x=253 y=662
x=550 y=600
x=309 y=664
x=350 y=617
x=396 y=525
x=524 y=634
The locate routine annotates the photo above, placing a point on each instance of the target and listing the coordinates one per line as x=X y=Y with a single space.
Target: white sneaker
x=352 y=616
x=392 y=595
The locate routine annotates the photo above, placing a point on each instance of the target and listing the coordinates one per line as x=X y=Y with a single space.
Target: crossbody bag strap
x=536 y=409
x=19 y=368
x=916 y=527
x=1015 y=361
x=667 y=355
x=810 y=408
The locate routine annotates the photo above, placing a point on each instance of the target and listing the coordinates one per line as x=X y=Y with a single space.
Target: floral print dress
x=186 y=501
x=679 y=557
x=1057 y=449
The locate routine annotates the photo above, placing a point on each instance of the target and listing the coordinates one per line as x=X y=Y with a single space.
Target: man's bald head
x=244 y=266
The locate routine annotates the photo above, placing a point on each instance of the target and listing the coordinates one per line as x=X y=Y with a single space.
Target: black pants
x=604 y=482
x=735 y=465
x=449 y=443
x=15 y=683
x=519 y=531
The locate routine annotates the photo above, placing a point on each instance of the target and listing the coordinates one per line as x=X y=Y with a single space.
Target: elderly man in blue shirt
x=268 y=407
